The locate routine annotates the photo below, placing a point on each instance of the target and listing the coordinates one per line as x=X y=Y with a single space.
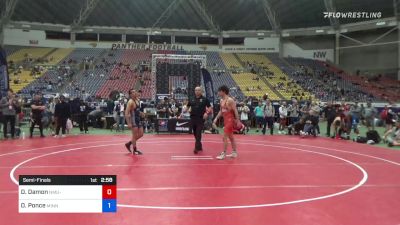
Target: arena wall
x=291 y=49
x=38 y=38
x=378 y=57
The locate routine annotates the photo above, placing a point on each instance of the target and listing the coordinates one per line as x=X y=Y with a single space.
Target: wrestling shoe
x=221 y=156
x=195 y=151
x=128 y=147
x=137 y=152
x=234 y=154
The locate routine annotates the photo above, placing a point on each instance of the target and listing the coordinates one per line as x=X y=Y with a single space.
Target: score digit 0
x=109 y=192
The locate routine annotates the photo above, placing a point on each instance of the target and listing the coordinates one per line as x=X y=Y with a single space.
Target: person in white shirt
x=314 y=113
x=119 y=112
x=185 y=110
x=244 y=114
x=294 y=111
x=269 y=117
x=173 y=109
x=283 y=112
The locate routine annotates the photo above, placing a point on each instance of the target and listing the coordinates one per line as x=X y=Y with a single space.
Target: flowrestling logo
x=353 y=15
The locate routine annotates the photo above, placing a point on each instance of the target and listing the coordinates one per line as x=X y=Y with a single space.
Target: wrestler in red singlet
x=229 y=117
x=230 y=114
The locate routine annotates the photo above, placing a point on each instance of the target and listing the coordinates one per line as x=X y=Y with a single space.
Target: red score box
x=109 y=191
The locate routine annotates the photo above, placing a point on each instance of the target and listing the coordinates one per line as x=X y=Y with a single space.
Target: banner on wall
x=319 y=55
x=4 y=78
x=253 y=49
x=173 y=125
x=147 y=46
x=162 y=125
x=179 y=125
x=291 y=49
x=209 y=86
x=33 y=42
x=162 y=96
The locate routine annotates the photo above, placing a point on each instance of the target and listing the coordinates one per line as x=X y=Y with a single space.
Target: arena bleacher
x=281 y=78
x=200 y=112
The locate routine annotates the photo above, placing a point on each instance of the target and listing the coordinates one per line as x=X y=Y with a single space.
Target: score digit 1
x=109 y=198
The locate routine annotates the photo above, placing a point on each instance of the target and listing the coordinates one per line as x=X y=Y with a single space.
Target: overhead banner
x=209 y=86
x=4 y=78
x=147 y=46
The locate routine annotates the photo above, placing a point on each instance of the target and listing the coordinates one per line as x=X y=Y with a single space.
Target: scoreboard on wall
x=67 y=193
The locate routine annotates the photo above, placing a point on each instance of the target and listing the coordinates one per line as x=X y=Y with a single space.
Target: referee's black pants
x=36 y=121
x=197 y=127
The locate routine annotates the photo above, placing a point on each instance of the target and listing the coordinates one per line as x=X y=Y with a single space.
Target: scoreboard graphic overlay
x=67 y=193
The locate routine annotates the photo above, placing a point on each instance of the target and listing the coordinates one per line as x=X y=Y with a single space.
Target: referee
x=198 y=114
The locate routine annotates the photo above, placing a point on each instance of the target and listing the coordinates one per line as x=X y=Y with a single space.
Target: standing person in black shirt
x=83 y=113
x=62 y=112
x=9 y=106
x=38 y=108
x=330 y=114
x=162 y=109
x=198 y=115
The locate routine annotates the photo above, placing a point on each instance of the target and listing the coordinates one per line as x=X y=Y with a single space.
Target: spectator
x=392 y=136
x=244 y=110
x=309 y=128
x=259 y=113
x=369 y=115
x=173 y=109
x=338 y=124
x=51 y=107
x=390 y=119
x=305 y=110
x=38 y=109
x=314 y=113
x=297 y=128
x=293 y=111
x=283 y=112
x=330 y=113
x=119 y=111
x=162 y=109
x=110 y=106
x=355 y=112
x=62 y=112
x=361 y=112
x=269 y=115
x=9 y=106
x=83 y=114
x=185 y=110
